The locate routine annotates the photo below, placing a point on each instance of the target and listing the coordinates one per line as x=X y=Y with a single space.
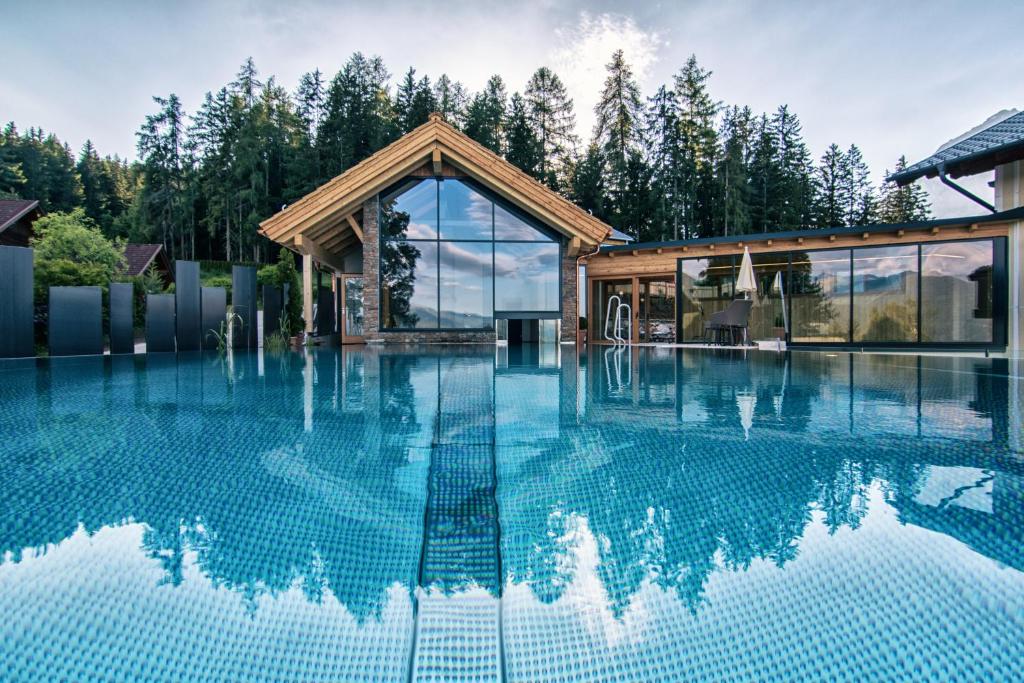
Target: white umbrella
x=745 y=282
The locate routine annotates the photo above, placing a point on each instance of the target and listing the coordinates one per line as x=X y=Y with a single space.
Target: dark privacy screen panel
x=243 y=304
x=215 y=307
x=159 y=323
x=324 y=311
x=76 y=321
x=271 y=310
x=16 y=335
x=122 y=318
x=186 y=305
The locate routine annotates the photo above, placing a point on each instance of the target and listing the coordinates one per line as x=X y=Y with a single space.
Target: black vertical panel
x=186 y=305
x=122 y=317
x=16 y=333
x=159 y=323
x=214 y=314
x=76 y=321
x=271 y=310
x=243 y=304
x=324 y=311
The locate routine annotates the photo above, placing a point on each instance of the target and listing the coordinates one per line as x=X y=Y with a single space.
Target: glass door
x=657 y=310
x=352 y=309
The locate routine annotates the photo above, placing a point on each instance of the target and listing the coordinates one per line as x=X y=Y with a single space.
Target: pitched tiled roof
x=137 y=257
x=13 y=209
x=998 y=143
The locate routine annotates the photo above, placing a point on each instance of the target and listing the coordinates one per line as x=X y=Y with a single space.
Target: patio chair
x=731 y=321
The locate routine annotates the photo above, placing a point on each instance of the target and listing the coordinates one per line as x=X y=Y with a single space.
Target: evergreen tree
x=665 y=151
x=450 y=100
x=618 y=133
x=414 y=101
x=903 y=204
x=360 y=118
x=551 y=116
x=587 y=182
x=856 y=192
x=733 y=170
x=832 y=171
x=522 y=147
x=792 y=206
x=307 y=169
x=699 y=139
x=12 y=179
x=485 y=115
x=160 y=147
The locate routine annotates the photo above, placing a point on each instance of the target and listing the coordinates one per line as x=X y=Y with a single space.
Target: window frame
x=546 y=235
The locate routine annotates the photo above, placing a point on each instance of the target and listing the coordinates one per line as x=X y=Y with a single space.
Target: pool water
x=472 y=514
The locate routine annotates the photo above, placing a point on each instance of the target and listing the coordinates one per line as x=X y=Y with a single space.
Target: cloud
x=587 y=47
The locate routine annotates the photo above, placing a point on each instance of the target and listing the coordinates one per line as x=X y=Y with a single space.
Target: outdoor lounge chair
x=729 y=322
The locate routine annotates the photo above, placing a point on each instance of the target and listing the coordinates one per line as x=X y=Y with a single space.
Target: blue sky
x=893 y=77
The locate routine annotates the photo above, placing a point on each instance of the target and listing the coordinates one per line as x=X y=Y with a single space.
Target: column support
x=307 y=292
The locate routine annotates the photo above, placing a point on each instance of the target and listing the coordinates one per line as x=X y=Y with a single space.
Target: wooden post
x=307 y=292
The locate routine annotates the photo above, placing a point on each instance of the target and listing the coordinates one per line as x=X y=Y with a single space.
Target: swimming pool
x=466 y=514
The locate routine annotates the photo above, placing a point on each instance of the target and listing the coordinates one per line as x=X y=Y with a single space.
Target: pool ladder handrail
x=616 y=336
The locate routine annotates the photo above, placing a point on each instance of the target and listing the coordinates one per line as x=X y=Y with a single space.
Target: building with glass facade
x=437 y=239
x=939 y=283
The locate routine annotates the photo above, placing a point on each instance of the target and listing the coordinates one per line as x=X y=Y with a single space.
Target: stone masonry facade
x=371 y=297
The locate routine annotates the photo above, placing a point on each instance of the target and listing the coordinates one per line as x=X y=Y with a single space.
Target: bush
x=70 y=250
x=279 y=274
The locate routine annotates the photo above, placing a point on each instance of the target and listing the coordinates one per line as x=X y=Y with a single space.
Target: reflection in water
x=658 y=513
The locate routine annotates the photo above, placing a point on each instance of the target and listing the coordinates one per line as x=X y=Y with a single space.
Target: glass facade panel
x=708 y=286
x=603 y=291
x=885 y=294
x=657 y=310
x=956 y=292
x=353 y=306
x=410 y=212
x=509 y=226
x=465 y=213
x=820 y=296
x=766 y=316
x=526 y=276
x=441 y=268
x=466 y=285
x=408 y=284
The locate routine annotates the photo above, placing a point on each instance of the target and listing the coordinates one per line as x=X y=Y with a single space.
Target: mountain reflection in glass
x=663 y=514
x=485 y=257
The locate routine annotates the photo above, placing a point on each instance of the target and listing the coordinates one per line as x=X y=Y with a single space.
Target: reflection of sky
x=956 y=259
x=466 y=284
x=465 y=213
x=526 y=277
x=420 y=202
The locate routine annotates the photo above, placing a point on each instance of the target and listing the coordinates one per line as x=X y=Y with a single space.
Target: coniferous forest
x=674 y=164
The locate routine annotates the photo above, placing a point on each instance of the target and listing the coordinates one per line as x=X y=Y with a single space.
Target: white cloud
x=587 y=47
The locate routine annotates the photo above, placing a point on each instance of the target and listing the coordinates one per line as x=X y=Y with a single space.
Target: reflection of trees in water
x=323 y=510
x=397 y=268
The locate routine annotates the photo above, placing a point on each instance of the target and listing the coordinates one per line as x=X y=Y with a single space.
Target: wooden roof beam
x=307 y=246
x=435 y=158
x=355 y=226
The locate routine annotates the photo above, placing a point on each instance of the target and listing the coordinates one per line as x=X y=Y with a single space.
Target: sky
x=893 y=77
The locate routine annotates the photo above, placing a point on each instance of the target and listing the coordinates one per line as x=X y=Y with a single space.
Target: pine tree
x=553 y=120
x=792 y=207
x=485 y=115
x=903 y=204
x=587 y=182
x=733 y=172
x=618 y=133
x=522 y=147
x=12 y=178
x=665 y=151
x=450 y=100
x=699 y=138
x=832 y=171
x=856 y=192
x=160 y=145
x=414 y=101
x=360 y=117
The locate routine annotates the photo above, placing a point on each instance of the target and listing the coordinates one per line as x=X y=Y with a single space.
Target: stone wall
x=371 y=297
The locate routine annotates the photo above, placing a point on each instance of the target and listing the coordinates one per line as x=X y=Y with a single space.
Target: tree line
x=677 y=164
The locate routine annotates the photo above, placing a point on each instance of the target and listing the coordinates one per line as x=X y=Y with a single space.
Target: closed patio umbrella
x=745 y=282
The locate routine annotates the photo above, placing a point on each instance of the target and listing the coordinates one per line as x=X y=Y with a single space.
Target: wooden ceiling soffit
x=341 y=242
x=308 y=246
